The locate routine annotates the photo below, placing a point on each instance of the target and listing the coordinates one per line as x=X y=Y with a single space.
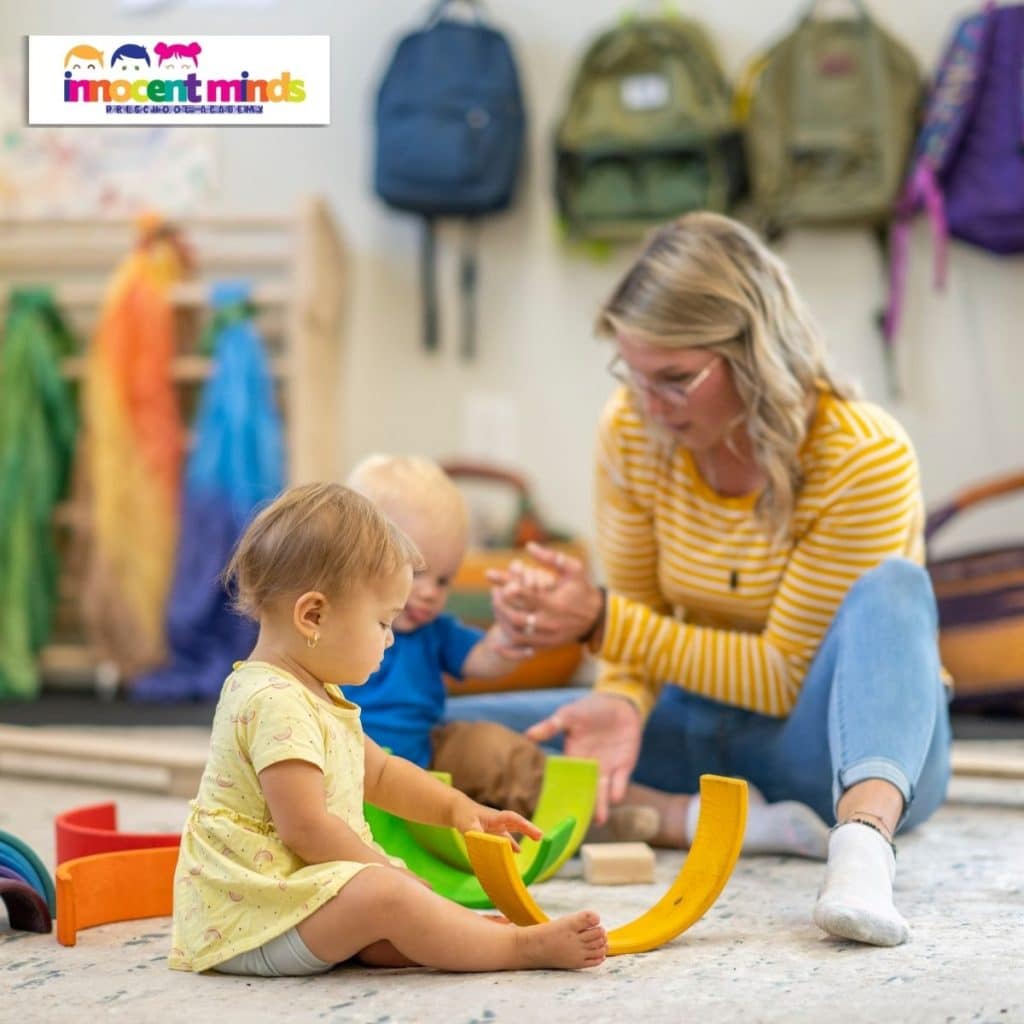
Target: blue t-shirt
x=404 y=699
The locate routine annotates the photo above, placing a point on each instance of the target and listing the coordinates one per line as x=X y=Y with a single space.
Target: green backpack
x=831 y=120
x=648 y=132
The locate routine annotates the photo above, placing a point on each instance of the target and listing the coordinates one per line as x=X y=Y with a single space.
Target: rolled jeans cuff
x=873 y=768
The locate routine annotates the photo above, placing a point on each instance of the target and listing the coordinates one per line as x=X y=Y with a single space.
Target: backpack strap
x=948 y=113
x=924 y=188
x=467 y=286
x=428 y=285
x=885 y=241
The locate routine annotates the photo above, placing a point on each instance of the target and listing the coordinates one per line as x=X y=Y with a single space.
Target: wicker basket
x=981 y=607
x=470 y=597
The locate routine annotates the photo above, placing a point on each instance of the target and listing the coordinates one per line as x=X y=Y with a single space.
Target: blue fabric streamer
x=236 y=463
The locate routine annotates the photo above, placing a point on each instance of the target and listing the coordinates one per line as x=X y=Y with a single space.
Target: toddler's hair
x=314 y=537
x=411 y=483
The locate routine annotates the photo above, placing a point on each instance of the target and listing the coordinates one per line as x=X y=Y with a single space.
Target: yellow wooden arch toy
x=701 y=879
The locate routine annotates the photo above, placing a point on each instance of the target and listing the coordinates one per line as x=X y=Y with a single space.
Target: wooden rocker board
x=394 y=836
x=83 y=831
x=26 y=909
x=569 y=791
x=707 y=868
x=20 y=857
x=124 y=885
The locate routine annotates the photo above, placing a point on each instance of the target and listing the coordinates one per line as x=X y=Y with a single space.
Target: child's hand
x=495 y=642
x=533 y=577
x=473 y=817
x=527 y=577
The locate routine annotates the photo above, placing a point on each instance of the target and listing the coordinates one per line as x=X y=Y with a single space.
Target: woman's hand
x=469 y=816
x=546 y=616
x=603 y=727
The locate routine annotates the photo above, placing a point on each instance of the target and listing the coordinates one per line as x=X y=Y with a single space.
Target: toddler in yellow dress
x=273 y=876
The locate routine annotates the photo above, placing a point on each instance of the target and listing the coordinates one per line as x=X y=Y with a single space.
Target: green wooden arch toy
x=569 y=791
x=396 y=838
x=439 y=855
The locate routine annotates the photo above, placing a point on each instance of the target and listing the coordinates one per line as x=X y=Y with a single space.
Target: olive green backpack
x=830 y=120
x=648 y=132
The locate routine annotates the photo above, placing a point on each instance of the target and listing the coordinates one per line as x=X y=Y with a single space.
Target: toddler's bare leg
x=383 y=954
x=384 y=904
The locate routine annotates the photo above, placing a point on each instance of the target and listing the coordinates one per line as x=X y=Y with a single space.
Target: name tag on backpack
x=644 y=92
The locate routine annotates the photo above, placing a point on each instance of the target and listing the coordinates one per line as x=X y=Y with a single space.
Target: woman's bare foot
x=574 y=941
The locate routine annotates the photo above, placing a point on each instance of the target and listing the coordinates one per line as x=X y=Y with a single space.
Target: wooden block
x=617 y=863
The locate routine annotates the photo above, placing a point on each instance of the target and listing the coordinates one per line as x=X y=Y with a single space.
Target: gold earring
x=312 y=641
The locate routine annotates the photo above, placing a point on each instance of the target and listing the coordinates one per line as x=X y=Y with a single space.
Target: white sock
x=785 y=827
x=856 y=900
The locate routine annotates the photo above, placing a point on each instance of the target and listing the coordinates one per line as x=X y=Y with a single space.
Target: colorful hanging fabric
x=37 y=436
x=236 y=463
x=135 y=443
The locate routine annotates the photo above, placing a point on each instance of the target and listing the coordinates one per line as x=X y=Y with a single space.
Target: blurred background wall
x=532 y=396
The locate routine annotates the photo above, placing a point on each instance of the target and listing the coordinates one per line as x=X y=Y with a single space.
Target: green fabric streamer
x=38 y=424
x=239 y=311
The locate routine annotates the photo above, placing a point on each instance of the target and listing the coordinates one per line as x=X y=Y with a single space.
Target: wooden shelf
x=196 y=221
x=45 y=260
x=89 y=295
x=297 y=268
x=184 y=369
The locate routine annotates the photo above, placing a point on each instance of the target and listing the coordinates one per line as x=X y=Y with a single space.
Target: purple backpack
x=968 y=166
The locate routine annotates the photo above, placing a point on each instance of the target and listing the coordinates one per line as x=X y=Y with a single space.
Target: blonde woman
x=766 y=613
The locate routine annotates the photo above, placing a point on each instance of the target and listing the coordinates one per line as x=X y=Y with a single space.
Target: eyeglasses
x=670 y=392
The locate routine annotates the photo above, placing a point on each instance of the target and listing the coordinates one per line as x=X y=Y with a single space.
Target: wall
x=535 y=390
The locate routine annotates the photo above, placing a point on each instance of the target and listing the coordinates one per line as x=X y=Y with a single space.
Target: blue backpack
x=450 y=126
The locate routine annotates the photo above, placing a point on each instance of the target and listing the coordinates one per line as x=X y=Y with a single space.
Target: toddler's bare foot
x=574 y=941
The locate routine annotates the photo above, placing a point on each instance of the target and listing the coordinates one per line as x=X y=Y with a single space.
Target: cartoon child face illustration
x=180 y=57
x=129 y=58
x=84 y=62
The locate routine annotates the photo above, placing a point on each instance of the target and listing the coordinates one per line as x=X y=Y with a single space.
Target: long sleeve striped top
x=698 y=595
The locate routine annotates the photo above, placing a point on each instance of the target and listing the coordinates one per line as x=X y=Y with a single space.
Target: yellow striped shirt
x=699 y=596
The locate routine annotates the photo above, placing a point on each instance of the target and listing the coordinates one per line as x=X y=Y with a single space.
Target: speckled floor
x=754 y=957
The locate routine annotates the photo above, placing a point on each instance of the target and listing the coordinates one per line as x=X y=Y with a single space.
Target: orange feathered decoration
x=135 y=444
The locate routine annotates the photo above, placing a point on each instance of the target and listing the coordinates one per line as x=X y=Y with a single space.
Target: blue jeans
x=872 y=706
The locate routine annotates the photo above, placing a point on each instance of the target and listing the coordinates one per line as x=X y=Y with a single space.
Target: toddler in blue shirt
x=403 y=702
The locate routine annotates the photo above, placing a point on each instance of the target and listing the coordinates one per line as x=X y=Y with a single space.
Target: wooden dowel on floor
x=990 y=766
x=23 y=750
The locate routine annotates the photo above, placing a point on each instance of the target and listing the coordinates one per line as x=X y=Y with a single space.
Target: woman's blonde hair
x=411 y=484
x=706 y=281
x=314 y=537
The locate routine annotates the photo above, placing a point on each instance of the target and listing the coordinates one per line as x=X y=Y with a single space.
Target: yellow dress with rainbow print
x=237 y=885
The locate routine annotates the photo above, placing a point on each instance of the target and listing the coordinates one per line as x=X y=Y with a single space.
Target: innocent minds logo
x=217 y=80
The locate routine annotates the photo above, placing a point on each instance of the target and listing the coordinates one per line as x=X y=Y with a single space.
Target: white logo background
x=306 y=58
